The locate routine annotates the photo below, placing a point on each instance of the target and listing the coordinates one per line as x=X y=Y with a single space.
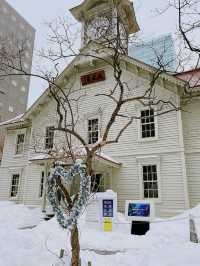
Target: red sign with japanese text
x=93 y=77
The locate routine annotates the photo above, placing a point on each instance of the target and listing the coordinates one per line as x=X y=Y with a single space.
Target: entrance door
x=98 y=183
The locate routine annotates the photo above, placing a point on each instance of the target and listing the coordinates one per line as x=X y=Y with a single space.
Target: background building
x=15 y=90
x=149 y=52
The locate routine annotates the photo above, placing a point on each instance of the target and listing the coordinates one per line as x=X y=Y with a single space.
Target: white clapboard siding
x=4 y=183
x=193 y=173
x=10 y=159
x=171 y=183
x=92 y=210
x=126 y=180
x=191 y=130
x=13 y=164
x=32 y=186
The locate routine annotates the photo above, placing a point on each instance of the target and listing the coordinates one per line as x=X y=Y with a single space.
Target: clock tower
x=101 y=18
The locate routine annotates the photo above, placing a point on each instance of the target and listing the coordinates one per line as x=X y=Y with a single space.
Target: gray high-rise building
x=13 y=27
x=14 y=89
x=156 y=52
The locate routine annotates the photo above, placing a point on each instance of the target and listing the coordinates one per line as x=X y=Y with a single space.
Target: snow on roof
x=38 y=157
x=107 y=158
x=16 y=119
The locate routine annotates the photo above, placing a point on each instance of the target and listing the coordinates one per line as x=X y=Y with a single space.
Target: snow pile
x=166 y=244
x=18 y=216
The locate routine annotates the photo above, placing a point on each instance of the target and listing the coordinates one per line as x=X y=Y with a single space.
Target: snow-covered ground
x=22 y=244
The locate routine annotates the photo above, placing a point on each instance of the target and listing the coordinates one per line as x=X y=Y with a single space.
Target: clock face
x=99 y=28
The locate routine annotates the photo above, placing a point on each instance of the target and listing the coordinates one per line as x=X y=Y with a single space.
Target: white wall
x=13 y=164
x=191 y=130
x=126 y=181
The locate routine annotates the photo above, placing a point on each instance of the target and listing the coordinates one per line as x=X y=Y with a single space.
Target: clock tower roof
x=88 y=8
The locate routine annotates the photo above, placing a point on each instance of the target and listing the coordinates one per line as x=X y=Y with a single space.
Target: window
x=20 y=143
x=148 y=123
x=26 y=66
x=28 y=44
x=41 y=185
x=49 y=138
x=14 y=185
x=23 y=89
x=5 y=10
x=14 y=83
x=22 y=26
x=10 y=109
x=27 y=54
x=2 y=91
x=93 y=130
x=13 y=18
x=150 y=181
x=97 y=183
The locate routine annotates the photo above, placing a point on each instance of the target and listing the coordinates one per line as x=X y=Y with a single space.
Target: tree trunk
x=89 y=159
x=74 y=232
x=75 y=246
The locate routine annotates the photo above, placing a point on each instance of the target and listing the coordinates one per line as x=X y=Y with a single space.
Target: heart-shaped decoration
x=77 y=169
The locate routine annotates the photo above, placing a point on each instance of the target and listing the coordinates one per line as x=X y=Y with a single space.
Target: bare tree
x=188 y=29
x=109 y=46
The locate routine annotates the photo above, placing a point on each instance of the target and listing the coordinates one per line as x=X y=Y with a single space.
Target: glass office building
x=156 y=52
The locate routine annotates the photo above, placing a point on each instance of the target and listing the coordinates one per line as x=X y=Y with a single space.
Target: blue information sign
x=139 y=209
x=108 y=208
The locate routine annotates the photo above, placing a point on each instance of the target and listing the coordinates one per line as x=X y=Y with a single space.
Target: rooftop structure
x=156 y=52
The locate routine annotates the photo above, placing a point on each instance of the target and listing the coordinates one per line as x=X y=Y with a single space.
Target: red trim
x=187 y=72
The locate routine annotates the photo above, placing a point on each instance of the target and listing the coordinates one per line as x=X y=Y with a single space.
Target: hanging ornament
x=67 y=220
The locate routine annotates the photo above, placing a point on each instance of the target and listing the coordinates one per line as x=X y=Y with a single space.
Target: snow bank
x=166 y=244
x=17 y=215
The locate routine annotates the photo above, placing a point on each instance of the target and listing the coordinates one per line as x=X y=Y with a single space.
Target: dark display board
x=108 y=208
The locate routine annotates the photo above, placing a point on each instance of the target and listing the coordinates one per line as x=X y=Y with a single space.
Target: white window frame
x=144 y=161
x=14 y=83
x=44 y=183
x=99 y=123
x=12 y=173
x=42 y=175
x=11 y=109
x=139 y=125
x=23 y=89
x=19 y=132
x=19 y=144
x=47 y=148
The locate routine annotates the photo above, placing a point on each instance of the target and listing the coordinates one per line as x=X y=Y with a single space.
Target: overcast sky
x=36 y=12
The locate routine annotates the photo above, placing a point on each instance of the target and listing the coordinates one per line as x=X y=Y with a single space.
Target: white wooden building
x=161 y=163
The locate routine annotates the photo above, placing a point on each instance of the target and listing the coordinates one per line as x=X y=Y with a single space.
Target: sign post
x=140 y=213
x=193 y=231
x=108 y=214
x=108 y=210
